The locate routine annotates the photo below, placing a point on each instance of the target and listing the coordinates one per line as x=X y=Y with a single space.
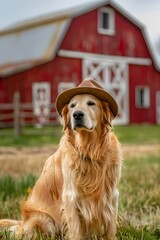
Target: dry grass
x=15 y=161
x=139 y=150
x=139 y=204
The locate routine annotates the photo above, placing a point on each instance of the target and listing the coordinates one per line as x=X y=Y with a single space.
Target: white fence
x=18 y=115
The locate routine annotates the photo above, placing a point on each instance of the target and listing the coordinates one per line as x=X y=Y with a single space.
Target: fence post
x=16 y=105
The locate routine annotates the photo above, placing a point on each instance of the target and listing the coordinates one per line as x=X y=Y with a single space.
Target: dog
x=76 y=195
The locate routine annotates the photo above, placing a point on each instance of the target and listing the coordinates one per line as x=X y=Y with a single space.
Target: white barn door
x=158 y=107
x=41 y=92
x=114 y=78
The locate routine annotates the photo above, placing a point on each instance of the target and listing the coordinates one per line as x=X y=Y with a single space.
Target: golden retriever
x=76 y=194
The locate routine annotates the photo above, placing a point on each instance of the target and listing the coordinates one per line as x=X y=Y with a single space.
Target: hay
x=25 y=160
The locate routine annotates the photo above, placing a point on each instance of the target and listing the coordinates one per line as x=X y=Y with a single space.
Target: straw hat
x=87 y=86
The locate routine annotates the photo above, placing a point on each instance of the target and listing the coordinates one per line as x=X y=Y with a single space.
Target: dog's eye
x=72 y=105
x=91 y=103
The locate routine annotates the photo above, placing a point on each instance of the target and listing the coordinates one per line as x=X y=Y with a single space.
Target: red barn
x=102 y=40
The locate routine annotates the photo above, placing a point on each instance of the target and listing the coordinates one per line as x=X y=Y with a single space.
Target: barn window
x=106 y=21
x=142 y=97
x=64 y=86
x=41 y=96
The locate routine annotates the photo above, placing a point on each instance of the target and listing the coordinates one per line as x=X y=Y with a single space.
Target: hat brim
x=65 y=97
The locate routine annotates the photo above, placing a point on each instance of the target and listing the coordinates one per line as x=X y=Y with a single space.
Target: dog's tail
x=9 y=224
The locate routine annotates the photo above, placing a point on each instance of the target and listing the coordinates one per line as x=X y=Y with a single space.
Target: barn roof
x=23 y=47
x=34 y=41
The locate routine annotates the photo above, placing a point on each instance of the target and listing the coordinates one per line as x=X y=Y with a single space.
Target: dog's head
x=86 y=112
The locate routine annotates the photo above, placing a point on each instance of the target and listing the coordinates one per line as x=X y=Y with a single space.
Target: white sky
x=13 y=11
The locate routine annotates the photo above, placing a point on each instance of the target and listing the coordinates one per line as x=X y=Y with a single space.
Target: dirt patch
x=24 y=160
x=138 y=151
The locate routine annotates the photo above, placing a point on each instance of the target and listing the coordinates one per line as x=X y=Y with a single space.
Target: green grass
x=129 y=232
x=139 y=188
x=10 y=188
x=31 y=136
x=135 y=134
x=12 y=192
x=139 y=202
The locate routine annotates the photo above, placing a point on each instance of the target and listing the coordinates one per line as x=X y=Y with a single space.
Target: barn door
x=158 y=106
x=114 y=78
x=41 y=101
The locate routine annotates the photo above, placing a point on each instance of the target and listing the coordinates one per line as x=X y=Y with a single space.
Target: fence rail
x=18 y=115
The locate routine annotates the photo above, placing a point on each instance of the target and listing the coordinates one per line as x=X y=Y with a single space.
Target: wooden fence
x=18 y=115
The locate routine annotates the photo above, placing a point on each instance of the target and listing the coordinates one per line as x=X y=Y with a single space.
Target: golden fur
x=76 y=194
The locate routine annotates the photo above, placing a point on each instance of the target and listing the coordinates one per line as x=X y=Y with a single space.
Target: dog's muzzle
x=78 y=117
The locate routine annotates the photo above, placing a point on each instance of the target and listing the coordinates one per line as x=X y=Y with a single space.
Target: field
x=22 y=159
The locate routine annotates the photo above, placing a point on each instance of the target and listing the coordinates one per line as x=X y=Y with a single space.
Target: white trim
x=41 y=98
x=64 y=28
x=111 y=29
x=102 y=72
x=106 y=58
x=158 y=107
x=62 y=86
x=127 y=103
x=75 y=12
x=125 y=118
x=146 y=97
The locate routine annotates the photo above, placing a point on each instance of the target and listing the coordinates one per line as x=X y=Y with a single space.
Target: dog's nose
x=78 y=115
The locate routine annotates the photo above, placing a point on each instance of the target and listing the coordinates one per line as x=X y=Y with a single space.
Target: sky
x=14 y=11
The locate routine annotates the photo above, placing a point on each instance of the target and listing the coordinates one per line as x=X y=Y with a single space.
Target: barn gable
x=106 y=42
x=32 y=43
x=107 y=56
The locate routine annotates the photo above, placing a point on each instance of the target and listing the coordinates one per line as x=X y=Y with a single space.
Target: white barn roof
x=34 y=38
x=22 y=48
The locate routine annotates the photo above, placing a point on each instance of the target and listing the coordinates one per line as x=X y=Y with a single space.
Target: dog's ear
x=65 y=120
x=107 y=114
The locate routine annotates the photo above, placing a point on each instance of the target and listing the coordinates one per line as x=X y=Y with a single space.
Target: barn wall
x=54 y=72
x=140 y=76
x=83 y=36
x=128 y=41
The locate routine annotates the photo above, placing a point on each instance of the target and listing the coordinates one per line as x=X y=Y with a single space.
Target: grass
x=138 y=134
x=32 y=136
x=12 y=189
x=139 y=202
x=129 y=232
x=139 y=190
